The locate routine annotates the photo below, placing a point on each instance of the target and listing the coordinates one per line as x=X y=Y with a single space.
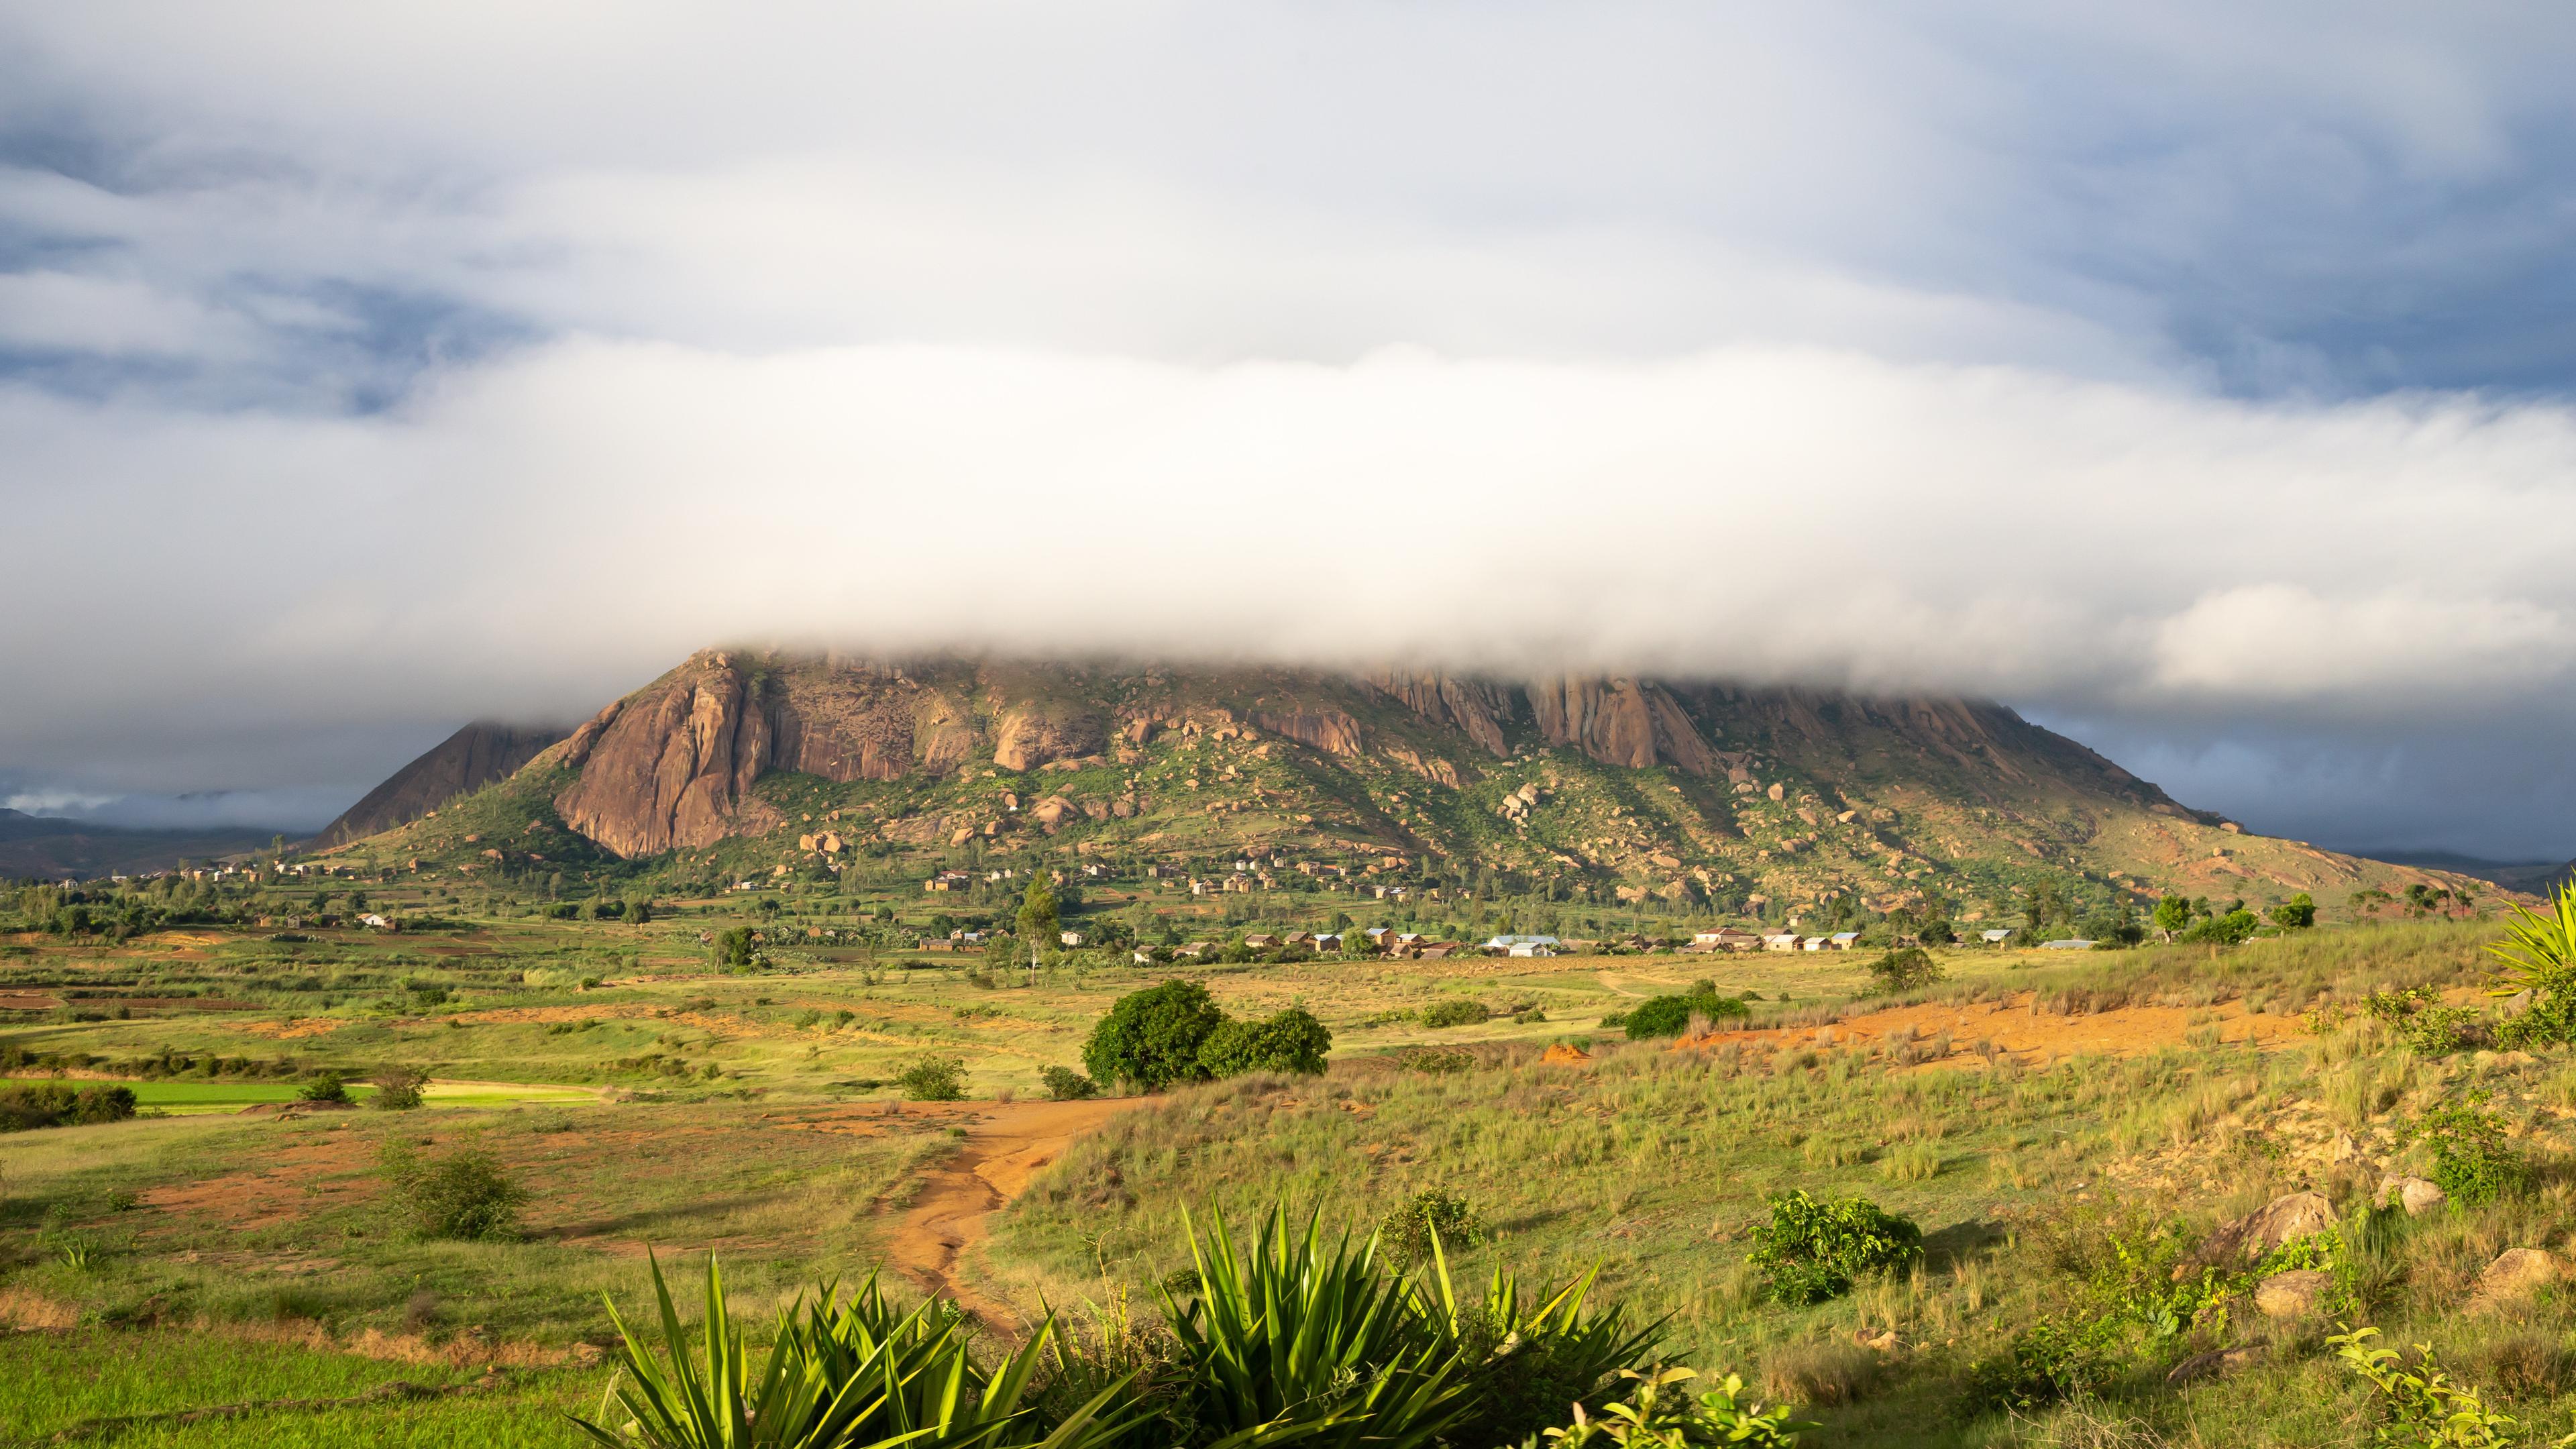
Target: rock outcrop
x=461 y=764
x=1028 y=738
x=1476 y=709
x=1620 y=722
x=2283 y=1219
x=1331 y=730
x=671 y=766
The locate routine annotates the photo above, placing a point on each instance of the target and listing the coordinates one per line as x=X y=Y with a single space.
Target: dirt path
x=1006 y=1143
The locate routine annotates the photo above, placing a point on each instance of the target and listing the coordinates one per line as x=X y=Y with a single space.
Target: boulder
x=2212 y=1364
x=1054 y=810
x=2414 y=1194
x=2515 y=1275
x=2292 y=1295
x=2283 y=1219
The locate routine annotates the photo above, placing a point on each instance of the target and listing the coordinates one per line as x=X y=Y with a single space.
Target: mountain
x=1604 y=789
x=465 y=761
x=2535 y=877
x=44 y=846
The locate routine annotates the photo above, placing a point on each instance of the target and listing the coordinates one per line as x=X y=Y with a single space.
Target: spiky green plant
x=1528 y=1363
x=2539 y=952
x=1299 y=1340
x=839 y=1374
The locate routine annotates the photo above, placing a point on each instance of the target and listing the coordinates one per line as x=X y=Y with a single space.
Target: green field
x=2044 y=1117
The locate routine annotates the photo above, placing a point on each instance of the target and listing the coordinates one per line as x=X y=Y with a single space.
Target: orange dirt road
x=1006 y=1143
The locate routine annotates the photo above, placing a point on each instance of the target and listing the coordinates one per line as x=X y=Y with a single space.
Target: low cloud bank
x=532 y=536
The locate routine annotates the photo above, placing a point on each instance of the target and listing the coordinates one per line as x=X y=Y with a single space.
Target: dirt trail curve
x=1006 y=1143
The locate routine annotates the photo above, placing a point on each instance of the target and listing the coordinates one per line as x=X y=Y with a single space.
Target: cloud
x=2195 y=374
x=537 y=533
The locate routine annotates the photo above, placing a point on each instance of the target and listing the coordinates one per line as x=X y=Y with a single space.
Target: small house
x=1069 y=938
x=1261 y=943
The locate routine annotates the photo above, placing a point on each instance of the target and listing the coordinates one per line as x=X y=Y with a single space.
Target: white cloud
x=463 y=359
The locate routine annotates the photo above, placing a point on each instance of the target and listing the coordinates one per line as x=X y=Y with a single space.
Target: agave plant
x=1528 y=1363
x=1299 y=1341
x=838 y=1374
x=2539 y=952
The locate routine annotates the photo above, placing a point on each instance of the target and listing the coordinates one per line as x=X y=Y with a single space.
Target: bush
x=2232 y=929
x=1406 y=1231
x=1151 y=1038
x=2297 y=913
x=103 y=1104
x=1292 y=1041
x=1906 y=970
x=325 y=1087
x=2472 y=1161
x=53 y=1104
x=1436 y=1061
x=1658 y=1412
x=2424 y=1404
x=933 y=1079
x=1457 y=1012
x=1669 y=1015
x=1810 y=1251
x=397 y=1089
x=2044 y=1363
x=1064 y=1084
x=463 y=1196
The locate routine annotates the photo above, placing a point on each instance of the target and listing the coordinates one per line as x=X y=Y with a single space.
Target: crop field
x=2063 y=1129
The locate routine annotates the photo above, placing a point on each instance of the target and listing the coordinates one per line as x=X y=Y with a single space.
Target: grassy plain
x=2024 y=1112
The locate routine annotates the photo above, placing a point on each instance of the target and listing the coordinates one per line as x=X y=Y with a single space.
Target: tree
x=1037 y=916
x=1905 y=970
x=1292 y=1041
x=1151 y=1038
x=2297 y=913
x=2173 y=914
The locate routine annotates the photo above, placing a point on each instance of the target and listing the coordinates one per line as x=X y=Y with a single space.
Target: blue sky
x=2195 y=379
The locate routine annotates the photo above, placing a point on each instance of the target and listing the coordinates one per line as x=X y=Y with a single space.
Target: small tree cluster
x=1176 y=1032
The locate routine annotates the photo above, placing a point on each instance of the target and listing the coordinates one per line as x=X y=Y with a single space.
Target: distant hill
x=465 y=761
x=2536 y=877
x=43 y=846
x=1606 y=789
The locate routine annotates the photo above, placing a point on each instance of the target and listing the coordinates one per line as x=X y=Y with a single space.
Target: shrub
x=1436 y=1061
x=463 y=1195
x=1905 y=970
x=1151 y=1038
x=2297 y=913
x=2044 y=1363
x=397 y=1089
x=1810 y=1251
x=933 y=1078
x=53 y=1104
x=2423 y=1405
x=325 y=1087
x=103 y=1104
x=1407 y=1230
x=1657 y=1413
x=1064 y=1084
x=1458 y=1011
x=2472 y=1161
x=1669 y=1015
x=2231 y=929
x=1292 y=1041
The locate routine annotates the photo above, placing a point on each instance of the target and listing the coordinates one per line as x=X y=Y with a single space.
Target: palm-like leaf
x=1299 y=1341
x=839 y=1375
x=2539 y=951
